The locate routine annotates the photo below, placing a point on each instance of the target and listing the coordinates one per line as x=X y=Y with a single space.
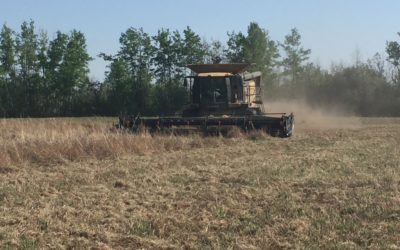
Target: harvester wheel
x=289 y=133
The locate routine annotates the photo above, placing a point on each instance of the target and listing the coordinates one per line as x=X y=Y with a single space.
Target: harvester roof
x=232 y=68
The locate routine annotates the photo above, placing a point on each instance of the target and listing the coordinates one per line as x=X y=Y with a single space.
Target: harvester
x=221 y=96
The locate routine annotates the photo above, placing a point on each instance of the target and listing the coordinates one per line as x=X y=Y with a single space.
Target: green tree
x=57 y=50
x=119 y=87
x=214 y=52
x=74 y=71
x=255 y=48
x=43 y=47
x=393 y=51
x=27 y=47
x=178 y=48
x=7 y=51
x=192 y=48
x=235 y=50
x=42 y=94
x=137 y=51
x=295 y=55
x=168 y=94
x=165 y=59
x=7 y=70
x=135 y=55
x=55 y=56
x=260 y=50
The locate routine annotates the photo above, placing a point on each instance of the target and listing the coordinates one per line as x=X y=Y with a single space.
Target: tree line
x=40 y=77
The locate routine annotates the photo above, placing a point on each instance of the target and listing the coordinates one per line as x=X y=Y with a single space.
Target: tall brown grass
x=48 y=141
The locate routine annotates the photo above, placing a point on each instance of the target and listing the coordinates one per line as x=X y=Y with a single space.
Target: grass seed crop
x=77 y=183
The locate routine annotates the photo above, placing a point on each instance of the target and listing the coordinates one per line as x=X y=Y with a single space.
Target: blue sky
x=333 y=29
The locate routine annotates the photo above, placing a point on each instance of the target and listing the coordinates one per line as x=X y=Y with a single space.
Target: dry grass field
x=76 y=183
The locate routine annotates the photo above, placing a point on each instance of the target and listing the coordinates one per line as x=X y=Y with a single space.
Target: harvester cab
x=221 y=96
x=222 y=89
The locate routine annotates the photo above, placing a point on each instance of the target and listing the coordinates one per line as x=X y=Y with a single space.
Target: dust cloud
x=314 y=118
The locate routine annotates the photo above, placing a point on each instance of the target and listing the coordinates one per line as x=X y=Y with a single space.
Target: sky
x=336 y=31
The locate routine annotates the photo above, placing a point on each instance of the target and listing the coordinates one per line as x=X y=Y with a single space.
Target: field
x=77 y=183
